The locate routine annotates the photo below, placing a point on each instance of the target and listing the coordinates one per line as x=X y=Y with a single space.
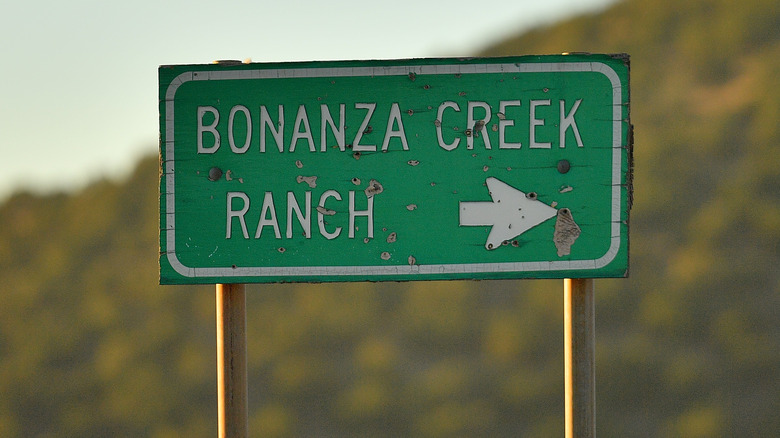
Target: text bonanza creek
x=266 y=128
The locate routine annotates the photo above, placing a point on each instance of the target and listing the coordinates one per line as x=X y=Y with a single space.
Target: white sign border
x=394 y=270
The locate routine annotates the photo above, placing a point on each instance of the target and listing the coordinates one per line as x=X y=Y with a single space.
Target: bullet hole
x=531 y=196
x=412 y=76
x=215 y=173
x=374 y=188
x=356 y=181
x=564 y=166
x=385 y=256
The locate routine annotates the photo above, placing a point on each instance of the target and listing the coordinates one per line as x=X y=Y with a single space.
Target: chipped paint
x=412 y=162
x=325 y=211
x=298 y=164
x=374 y=188
x=566 y=232
x=229 y=175
x=412 y=260
x=566 y=189
x=310 y=180
x=411 y=207
x=392 y=237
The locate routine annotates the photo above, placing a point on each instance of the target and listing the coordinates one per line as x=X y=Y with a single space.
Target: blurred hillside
x=688 y=346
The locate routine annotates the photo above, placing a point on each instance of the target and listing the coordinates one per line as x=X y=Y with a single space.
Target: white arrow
x=511 y=213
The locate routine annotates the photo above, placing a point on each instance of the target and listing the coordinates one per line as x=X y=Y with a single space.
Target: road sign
x=395 y=170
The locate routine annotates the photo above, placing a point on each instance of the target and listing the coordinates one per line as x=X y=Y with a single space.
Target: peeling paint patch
x=310 y=180
x=325 y=211
x=566 y=189
x=566 y=232
x=392 y=237
x=411 y=207
x=374 y=188
x=385 y=256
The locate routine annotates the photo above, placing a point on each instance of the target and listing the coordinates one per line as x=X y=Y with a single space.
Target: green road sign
x=395 y=170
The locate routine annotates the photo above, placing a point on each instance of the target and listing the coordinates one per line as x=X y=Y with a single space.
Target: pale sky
x=78 y=79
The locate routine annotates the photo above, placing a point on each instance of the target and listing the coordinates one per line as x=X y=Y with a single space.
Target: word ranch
x=240 y=211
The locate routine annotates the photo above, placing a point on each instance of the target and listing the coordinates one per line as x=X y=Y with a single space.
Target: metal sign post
x=231 y=361
x=579 y=324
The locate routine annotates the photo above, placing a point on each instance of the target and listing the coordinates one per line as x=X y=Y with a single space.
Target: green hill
x=688 y=346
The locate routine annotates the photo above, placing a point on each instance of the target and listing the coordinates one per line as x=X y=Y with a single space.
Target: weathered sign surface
x=395 y=170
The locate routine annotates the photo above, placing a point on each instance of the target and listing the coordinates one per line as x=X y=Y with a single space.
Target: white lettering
x=303 y=219
x=356 y=146
x=567 y=121
x=440 y=119
x=337 y=132
x=369 y=213
x=534 y=122
x=248 y=137
x=302 y=119
x=276 y=129
x=268 y=207
x=239 y=214
x=321 y=216
x=212 y=128
x=395 y=117
x=477 y=126
x=504 y=123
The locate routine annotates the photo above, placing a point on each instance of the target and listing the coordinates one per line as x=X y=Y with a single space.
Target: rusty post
x=231 y=361
x=579 y=324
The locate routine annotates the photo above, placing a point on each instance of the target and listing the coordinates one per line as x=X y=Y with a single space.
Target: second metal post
x=579 y=337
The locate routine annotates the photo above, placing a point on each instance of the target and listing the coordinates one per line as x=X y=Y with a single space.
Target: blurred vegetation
x=688 y=346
